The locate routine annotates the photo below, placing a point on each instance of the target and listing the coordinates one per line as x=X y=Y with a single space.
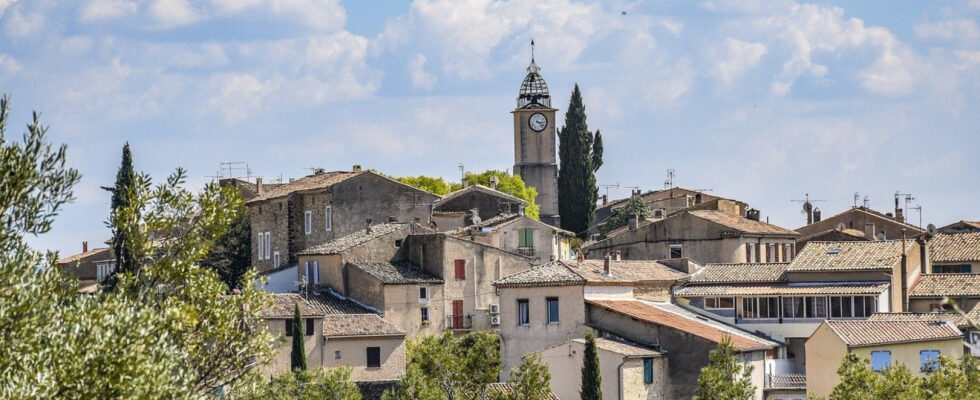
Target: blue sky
x=758 y=101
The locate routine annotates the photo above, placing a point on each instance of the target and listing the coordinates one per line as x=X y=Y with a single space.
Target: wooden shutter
x=373 y=357
x=460 y=269
x=776 y=248
x=309 y=327
x=748 y=253
x=758 y=253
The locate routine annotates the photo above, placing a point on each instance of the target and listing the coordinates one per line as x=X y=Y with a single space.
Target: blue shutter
x=647 y=370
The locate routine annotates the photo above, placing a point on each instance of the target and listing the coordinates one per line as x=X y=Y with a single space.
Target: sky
x=763 y=102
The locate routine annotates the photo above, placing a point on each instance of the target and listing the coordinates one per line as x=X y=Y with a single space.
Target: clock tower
x=534 y=142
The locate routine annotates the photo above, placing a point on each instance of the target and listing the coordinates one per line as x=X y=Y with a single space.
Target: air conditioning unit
x=495 y=309
x=495 y=320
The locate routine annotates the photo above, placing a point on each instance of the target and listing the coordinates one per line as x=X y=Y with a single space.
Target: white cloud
x=107 y=9
x=420 y=78
x=23 y=24
x=733 y=57
x=8 y=66
x=326 y=15
x=173 y=13
x=237 y=95
x=4 y=4
x=959 y=29
x=950 y=164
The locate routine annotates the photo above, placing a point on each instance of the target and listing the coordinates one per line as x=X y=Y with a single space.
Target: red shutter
x=775 y=250
x=460 y=269
x=457 y=314
x=748 y=253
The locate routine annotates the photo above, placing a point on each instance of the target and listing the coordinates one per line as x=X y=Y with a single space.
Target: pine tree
x=231 y=256
x=591 y=377
x=297 y=359
x=580 y=158
x=725 y=377
x=122 y=191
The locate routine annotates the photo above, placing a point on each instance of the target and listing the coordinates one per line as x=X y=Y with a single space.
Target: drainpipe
x=905 y=281
x=619 y=380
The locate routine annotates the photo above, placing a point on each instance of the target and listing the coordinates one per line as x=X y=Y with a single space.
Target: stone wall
x=352 y=352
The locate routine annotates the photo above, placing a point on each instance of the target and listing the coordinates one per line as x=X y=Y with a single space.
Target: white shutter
x=328 y=212
x=316 y=271
x=261 y=245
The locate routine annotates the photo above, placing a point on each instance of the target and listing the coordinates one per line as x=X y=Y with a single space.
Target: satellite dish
x=807 y=207
x=841 y=227
x=931 y=229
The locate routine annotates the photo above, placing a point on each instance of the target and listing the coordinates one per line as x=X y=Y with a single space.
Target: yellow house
x=916 y=344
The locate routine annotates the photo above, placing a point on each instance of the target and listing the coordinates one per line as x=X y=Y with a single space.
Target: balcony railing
x=526 y=251
x=459 y=322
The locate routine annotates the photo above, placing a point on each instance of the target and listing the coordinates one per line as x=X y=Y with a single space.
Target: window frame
x=423 y=294
x=307 y=222
x=523 y=312
x=308 y=325
x=268 y=244
x=424 y=314
x=554 y=316
x=757 y=302
x=328 y=217
x=648 y=370
x=718 y=302
x=261 y=246
x=275 y=259
x=525 y=238
x=289 y=327
x=676 y=246
x=316 y=272
x=459 y=266
x=368 y=362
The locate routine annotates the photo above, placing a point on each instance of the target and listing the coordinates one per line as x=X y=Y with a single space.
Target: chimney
x=618 y=255
x=752 y=214
x=258 y=186
x=84 y=247
x=605 y=199
x=368 y=230
x=356 y=168
x=899 y=216
x=493 y=182
x=605 y=265
x=634 y=222
x=816 y=215
x=923 y=254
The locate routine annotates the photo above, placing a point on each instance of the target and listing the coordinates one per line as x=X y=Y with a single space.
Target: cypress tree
x=580 y=158
x=124 y=186
x=591 y=379
x=597 y=151
x=297 y=359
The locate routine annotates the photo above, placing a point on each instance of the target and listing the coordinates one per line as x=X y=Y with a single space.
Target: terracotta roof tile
x=555 y=273
x=396 y=273
x=780 y=289
x=362 y=236
x=955 y=247
x=961 y=321
x=313 y=305
x=312 y=182
x=941 y=285
x=742 y=224
x=740 y=273
x=79 y=256
x=787 y=382
x=625 y=272
x=626 y=349
x=873 y=333
x=350 y=325
x=848 y=256
x=669 y=315
x=506 y=388
x=480 y=188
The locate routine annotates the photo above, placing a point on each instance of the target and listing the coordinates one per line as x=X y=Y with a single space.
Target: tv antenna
x=867 y=202
x=607 y=187
x=857 y=196
x=231 y=167
x=669 y=182
x=918 y=208
x=908 y=198
x=808 y=207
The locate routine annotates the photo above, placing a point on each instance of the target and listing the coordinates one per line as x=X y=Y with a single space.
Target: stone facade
x=518 y=340
x=535 y=157
x=866 y=220
x=86 y=265
x=488 y=203
x=519 y=234
x=352 y=352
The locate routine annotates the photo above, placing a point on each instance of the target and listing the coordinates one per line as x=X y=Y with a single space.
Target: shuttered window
x=374 y=357
x=460 y=269
x=309 y=327
x=647 y=370
x=525 y=238
x=289 y=327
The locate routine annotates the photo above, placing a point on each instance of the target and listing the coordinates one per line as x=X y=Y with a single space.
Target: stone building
x=324 y=206
x=916 y=344
x=872 y=224
x=336 y=333
x=955 y=253
x=458 y=208
x=717 y=234
x=534 y=142
x=522 y=235
x=90 y=266
x=961 y=227
x=628 y=371
x=407 y=296
x=661 y=203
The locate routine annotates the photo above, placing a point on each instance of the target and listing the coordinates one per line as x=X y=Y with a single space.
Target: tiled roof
x=848 y=232
x=873 y=333
x=955 y=247
x=88 y=287
x=780 y=289
x=362 y=236
x=962 y=321
x=489 y=222
x=505 y=388
x=351 y=325
x=626 y=228
x=396 y=273
x=626 y=272
x=626 y=349
x=555 y=273
x=672 y=316
x=940 y=285
x=312 y=182
x=787 y=382
x=848 y=256
x=880 y=217
x=313 y=305
x=79 y=256
x=484 y=189
x=742 y=224
x=740 y=273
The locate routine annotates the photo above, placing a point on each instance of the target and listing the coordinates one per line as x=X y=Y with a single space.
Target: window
x=336 y=354
x=261 y=245
x=676 y=251
x=423 y=294
x=760 y=307
x=316 y=271
x=460 y=269
x=398 y=243
x=275 y=259
x=328 y=213
x=770 y=252
x=852 y=306
x=552 y=310
x=308 y=222
x=787 y=249
x=750 y=253
x=647 y=370
x=719 y=303
x=373 y=357
x=309 y=327
x=951 y=269
x=425 y=315
x=289 y=327
x=104 y=270
x=523 y=313
x=268 y=245
x=525 y=238
x=805 y=307
x=881 y=360
x=929 y=360
x=306 y=271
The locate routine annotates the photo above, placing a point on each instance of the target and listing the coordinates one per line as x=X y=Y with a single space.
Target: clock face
x=537 y=122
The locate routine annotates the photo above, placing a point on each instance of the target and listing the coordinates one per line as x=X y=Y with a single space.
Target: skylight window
x=833 y=251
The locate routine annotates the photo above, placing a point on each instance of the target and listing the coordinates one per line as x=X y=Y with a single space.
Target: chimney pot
x=368 y=229
x=356 y=168
x=634 y=222
x=258 y=186
x=84 y=247
x=605 y=199
x=605 y=265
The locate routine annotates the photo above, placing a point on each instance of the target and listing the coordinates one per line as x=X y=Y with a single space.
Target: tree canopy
x=445 y=367
x=949 y=380
x=507 y=183
x=725 y=377
x=314 y=384
x=620 y=216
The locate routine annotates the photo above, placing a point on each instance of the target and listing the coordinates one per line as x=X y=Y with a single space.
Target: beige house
x=661 y=203
x=916 y=344
x=965 y=322
x=336 y=333
x=407 y=296
x=872 y=224
x=955 y=253
x=628 y=371
x=928 y=292
x=90 y=267
x=522 y=235
x=715 y=234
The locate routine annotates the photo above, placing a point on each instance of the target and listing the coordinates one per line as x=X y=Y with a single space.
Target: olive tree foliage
x=444 y=367
x=725 y=377
x=529 y=381
x=313 y=384
x=949 y=380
